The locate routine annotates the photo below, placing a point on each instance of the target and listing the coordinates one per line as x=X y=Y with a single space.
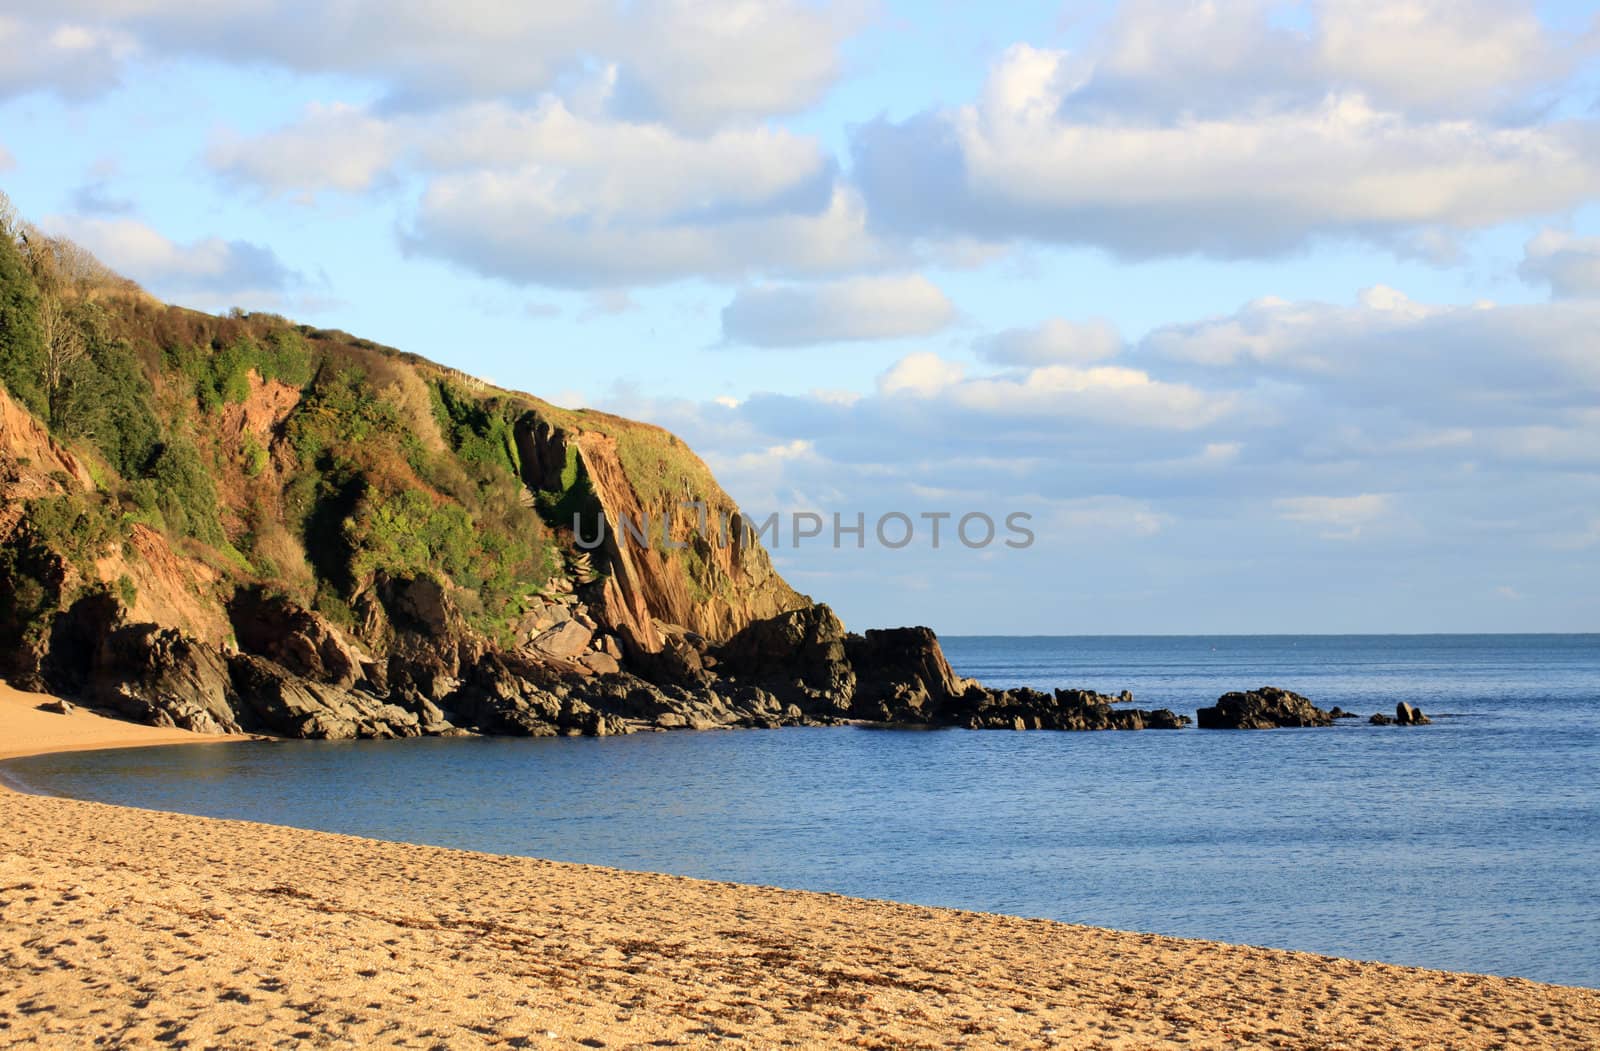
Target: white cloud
x=600 y=167
x=553 y=196
x=923 y=374
x=1055 y=341
x=1444 y=55
x=863 y=308
x=333 y=147
x=697 y=63
x=1440 y=56
x=72 y=58
x=1569 y=265
x=1338 y=517
x=1102 y=393
x=1509 y=364
x=7 y=161
x=209 y=271
x=1233 y=130
x=514 y=228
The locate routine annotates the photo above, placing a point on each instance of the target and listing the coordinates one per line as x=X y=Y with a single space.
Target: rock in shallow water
x=1266 y=708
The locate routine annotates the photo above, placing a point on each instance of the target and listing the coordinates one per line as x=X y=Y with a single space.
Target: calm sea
x=1473 y=844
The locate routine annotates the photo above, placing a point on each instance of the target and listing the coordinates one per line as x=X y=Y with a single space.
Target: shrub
x=185 y=493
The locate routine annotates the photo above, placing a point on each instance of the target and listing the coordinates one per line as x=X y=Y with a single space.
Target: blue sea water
x=1471 y=844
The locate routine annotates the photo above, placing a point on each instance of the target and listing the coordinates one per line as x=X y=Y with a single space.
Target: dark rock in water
x=901 y=675
x=1406 y=715
x=805 y=667
x=1165 y=719
x=1340 y=713
x=798 y=656
x=58 y=707
x=1264 y=709
x=1026 y=709
x=1380 y=719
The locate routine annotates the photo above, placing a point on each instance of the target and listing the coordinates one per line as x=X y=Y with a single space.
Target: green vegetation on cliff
x=207 y=453
x=306 y=460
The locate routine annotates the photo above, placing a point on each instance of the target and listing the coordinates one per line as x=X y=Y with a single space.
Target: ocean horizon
x=1469 y=844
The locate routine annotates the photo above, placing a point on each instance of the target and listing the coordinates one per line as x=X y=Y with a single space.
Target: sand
x=25 y=730
x=131 y=928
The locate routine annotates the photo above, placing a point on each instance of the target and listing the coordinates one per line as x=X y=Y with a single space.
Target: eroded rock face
x=159 y=676
x=273 y=699
x=567 y=640
x=430 y=643
x=301 y=641
x=1264 y=709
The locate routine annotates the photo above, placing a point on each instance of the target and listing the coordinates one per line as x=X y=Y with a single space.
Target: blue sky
x=1274 y=316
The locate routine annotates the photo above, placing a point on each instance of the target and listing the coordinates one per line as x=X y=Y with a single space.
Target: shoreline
x=143 y=926
x=27 y=731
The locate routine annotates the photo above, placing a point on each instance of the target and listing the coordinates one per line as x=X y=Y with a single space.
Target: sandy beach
x=131 y=928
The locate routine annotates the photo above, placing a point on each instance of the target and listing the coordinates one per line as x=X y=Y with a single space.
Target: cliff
x=240 y=523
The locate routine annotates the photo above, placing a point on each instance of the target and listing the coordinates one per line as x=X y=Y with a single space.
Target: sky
x=1269 y=317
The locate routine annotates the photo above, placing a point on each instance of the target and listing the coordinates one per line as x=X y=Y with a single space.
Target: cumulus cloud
x=1231 y=130
x=864 y=308
x=72 y=58
x=1055 y=341
x=553 y=196
x=699 y=64
x=1513 y=361
x=209 y=271
x=1569 y=265
x=1433 y=56
x=1021 y=163
x=515 y=228
x=1102 y=394
x=332 y=147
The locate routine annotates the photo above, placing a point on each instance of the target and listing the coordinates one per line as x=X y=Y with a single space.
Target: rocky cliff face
x=243 y=525
x=666 y=544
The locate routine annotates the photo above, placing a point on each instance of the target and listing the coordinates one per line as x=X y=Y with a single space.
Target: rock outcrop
x=1266 y=708
x=667 y=544
x=299 y=640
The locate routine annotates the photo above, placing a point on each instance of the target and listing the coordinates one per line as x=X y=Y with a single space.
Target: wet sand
x=135 y=928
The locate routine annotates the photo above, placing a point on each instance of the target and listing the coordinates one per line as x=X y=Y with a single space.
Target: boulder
x=1406 y=715
x=1379 y=719
x=58 y=707
x=600 y=663
x=1340 y=713
x=566 y=640
x=1264 y=709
